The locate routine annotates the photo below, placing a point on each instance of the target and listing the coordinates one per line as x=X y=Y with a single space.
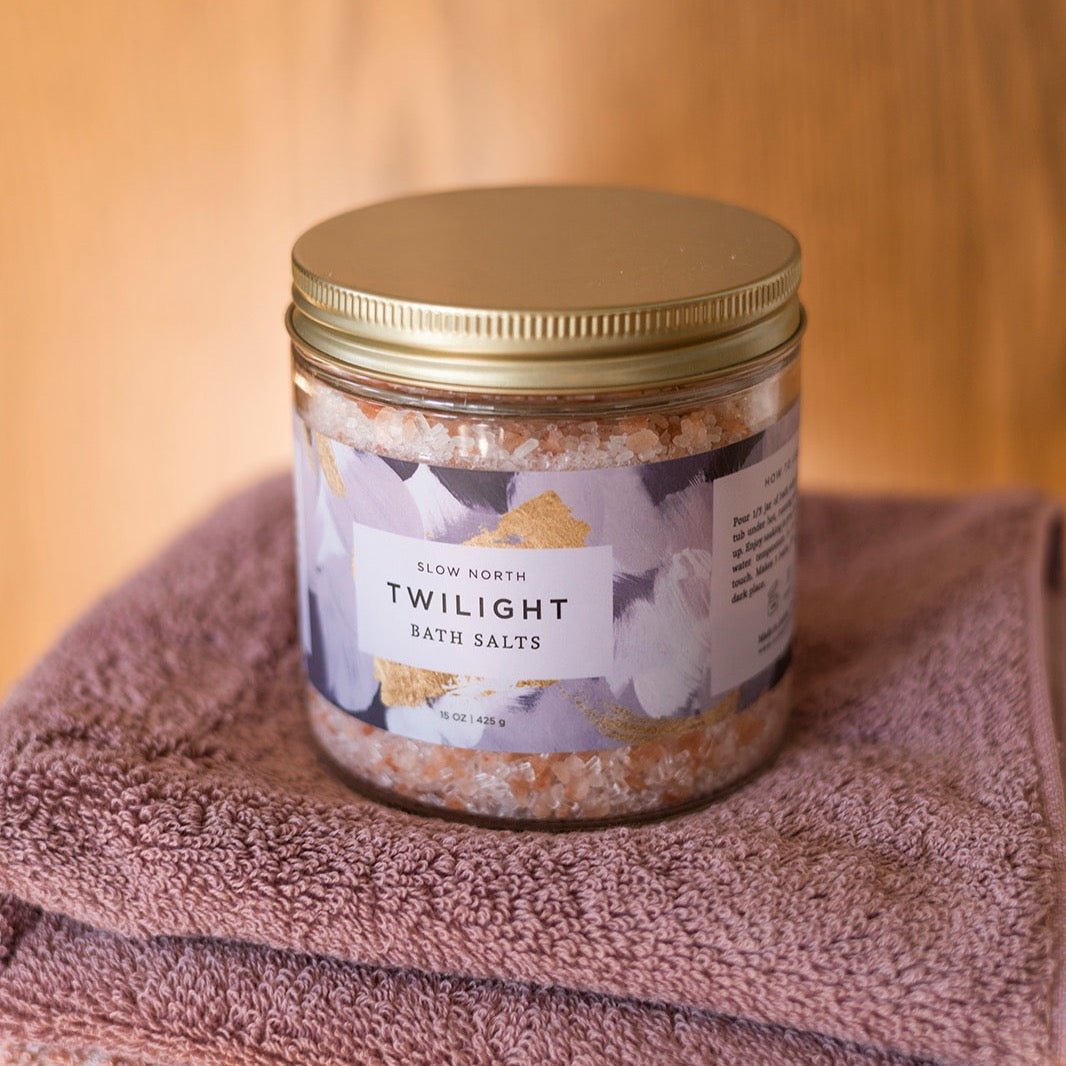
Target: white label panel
x=510 y=614
x=754 y=567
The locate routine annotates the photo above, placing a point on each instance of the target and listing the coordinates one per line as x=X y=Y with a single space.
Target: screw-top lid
x=546 y=289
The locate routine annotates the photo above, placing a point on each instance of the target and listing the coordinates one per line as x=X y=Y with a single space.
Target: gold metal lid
x=546 y=289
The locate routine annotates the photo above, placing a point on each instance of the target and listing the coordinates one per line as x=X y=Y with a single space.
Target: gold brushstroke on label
x=324 y=449
x=620 y=723
x=543 y=522
x=409 y=686
x=520 y=684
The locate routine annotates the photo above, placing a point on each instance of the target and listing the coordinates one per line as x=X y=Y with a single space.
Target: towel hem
x=1046 y=606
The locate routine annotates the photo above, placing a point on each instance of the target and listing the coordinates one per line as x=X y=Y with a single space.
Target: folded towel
x=186 y=882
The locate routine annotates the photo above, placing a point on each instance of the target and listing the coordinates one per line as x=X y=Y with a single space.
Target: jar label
x=509 y=614
x=545 y=611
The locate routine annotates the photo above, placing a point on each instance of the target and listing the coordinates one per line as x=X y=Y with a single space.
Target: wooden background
x=157 y=160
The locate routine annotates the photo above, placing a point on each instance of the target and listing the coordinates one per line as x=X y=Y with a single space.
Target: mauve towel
x=185 y=882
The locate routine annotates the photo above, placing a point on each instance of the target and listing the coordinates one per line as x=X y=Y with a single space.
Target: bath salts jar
x=546 y=446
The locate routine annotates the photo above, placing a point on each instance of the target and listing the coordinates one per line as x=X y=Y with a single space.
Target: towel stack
x=182 y=881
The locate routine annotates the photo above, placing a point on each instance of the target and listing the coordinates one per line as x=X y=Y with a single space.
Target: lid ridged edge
x=476 y=329
x=560 y=373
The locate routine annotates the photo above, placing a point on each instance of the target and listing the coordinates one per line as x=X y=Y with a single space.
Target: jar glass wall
x=655 y=765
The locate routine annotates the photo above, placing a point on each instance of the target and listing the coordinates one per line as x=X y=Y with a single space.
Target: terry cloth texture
x=186 y=883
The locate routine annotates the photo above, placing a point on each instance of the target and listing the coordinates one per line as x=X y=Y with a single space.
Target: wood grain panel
x=157 y=161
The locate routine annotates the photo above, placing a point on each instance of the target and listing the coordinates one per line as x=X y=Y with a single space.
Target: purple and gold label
x=546 y=611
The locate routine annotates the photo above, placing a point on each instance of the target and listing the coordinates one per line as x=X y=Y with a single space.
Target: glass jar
x=546 y=452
